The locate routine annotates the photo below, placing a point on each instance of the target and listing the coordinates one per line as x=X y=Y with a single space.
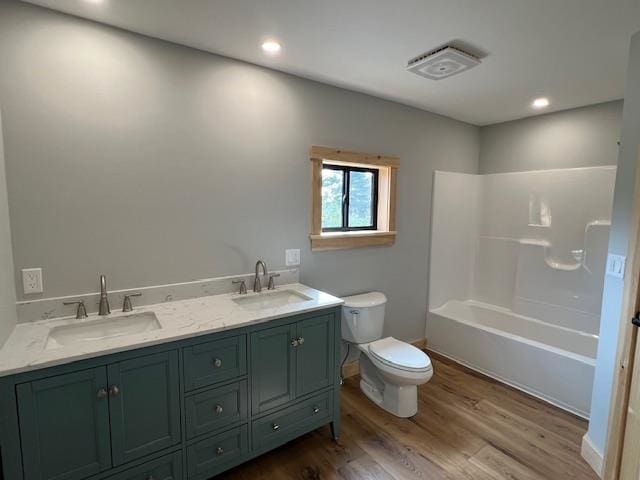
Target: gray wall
x=7 y=287
x=581 y=137
x=618 y=244
x=153 y=163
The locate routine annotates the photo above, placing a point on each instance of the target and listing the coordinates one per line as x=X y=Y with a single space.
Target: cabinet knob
x=151 y=477
x=220 y=451
x=218 y=409
x=217 y=362
x=102 y=393
x=300 y=340
x=294 y=342
x=114 y=391
x=316 y=410
x=275 y=427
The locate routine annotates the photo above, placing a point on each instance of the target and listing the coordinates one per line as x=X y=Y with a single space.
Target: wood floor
x=468 y=427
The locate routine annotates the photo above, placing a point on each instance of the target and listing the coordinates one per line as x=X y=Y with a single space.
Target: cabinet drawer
x=168 y=467
x=215 y=454
x=213 y=362
x=216 y=408
x=288 y=423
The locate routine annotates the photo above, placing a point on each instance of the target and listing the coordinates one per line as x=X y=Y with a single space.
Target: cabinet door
x=144 y=405
x=315 y=365
x=272 y=367
x=64 y=426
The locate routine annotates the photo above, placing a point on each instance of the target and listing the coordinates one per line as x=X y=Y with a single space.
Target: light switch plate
x=32 y=280
x=292 y=257
x=615 y=265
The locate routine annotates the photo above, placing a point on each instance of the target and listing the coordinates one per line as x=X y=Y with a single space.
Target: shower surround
x=516 y=274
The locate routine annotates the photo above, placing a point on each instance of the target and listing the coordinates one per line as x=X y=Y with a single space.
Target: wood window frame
x=385 y=233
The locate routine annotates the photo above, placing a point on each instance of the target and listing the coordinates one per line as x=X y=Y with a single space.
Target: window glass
x=361 y=199
x=332 y=192
x=349 y=198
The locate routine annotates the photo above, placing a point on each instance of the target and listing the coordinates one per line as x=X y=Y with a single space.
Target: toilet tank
x=363 y=317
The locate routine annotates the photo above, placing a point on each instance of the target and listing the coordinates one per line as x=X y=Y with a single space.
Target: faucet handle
x=272 y=284
x=243 y=286
x=126 y=304
x=81 y=312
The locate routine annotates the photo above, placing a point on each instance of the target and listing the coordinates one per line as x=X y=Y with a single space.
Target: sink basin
x=102 y=329
x=272 y=299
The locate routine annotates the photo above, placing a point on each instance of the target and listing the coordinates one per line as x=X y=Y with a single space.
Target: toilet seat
x=400 y=355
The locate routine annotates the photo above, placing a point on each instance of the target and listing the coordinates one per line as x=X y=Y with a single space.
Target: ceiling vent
x=442 y=63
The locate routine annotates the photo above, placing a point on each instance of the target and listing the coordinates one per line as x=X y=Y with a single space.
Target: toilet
x=390 y=370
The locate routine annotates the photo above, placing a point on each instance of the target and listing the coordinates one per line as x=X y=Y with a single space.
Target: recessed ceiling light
x=271 y=48
x=540 y=102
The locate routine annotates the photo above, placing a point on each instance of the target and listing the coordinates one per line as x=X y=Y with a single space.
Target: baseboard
x=591 y=455
x=421 y=344
x=352 y=368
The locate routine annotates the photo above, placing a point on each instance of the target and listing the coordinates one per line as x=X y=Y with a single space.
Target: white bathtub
x=550 y=362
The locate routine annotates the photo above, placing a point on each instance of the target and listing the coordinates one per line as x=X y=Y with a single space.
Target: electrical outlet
x=32 y=280
x=292 y=257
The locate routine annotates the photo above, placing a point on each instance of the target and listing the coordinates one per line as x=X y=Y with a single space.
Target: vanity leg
x=335 y=430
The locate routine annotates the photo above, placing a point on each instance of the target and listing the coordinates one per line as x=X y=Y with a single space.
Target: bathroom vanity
x=223 y=380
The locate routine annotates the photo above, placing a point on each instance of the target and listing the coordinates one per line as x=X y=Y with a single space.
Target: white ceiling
x=572 y=51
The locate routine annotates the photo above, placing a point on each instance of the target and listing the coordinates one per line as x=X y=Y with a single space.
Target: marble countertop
x=25 y=349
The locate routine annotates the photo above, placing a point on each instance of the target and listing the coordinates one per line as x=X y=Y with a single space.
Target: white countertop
x=25 y=349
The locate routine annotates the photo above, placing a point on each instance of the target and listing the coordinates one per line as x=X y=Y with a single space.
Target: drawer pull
x=114 y=391
x=217 y=362
x=275 y=427
x=219 y=409
x=102 y=393
x=315 y=410
x=300 y=340
x=294 y=342
x=220 y=451
x=151 y=477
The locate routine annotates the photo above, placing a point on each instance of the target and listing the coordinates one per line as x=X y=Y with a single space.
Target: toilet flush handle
x=355 y=314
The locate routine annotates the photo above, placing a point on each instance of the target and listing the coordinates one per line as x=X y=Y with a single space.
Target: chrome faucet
x=103 y=309
x=257 y=287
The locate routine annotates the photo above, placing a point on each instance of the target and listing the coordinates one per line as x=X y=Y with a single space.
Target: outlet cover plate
x=615 y=265
x=292 y=257
x=32 y=280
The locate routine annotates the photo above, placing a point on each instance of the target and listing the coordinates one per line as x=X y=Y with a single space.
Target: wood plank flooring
x=468 y=427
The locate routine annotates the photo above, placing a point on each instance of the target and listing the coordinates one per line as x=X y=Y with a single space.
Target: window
x=353 y=199
x=349 y=198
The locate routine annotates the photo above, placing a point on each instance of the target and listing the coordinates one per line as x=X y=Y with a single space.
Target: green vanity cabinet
x=82 y=423
x=273 y=367
x=64 y=426
x=315 y=357
x=291 y=361
x=145 y=412
x=183 y=410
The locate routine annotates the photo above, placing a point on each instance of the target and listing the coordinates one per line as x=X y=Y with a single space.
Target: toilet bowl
x=390 y=370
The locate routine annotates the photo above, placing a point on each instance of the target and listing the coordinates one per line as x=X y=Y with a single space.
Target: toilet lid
x=400 y=354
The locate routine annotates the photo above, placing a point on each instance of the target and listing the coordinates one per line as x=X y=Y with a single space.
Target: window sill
x=358 y=239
